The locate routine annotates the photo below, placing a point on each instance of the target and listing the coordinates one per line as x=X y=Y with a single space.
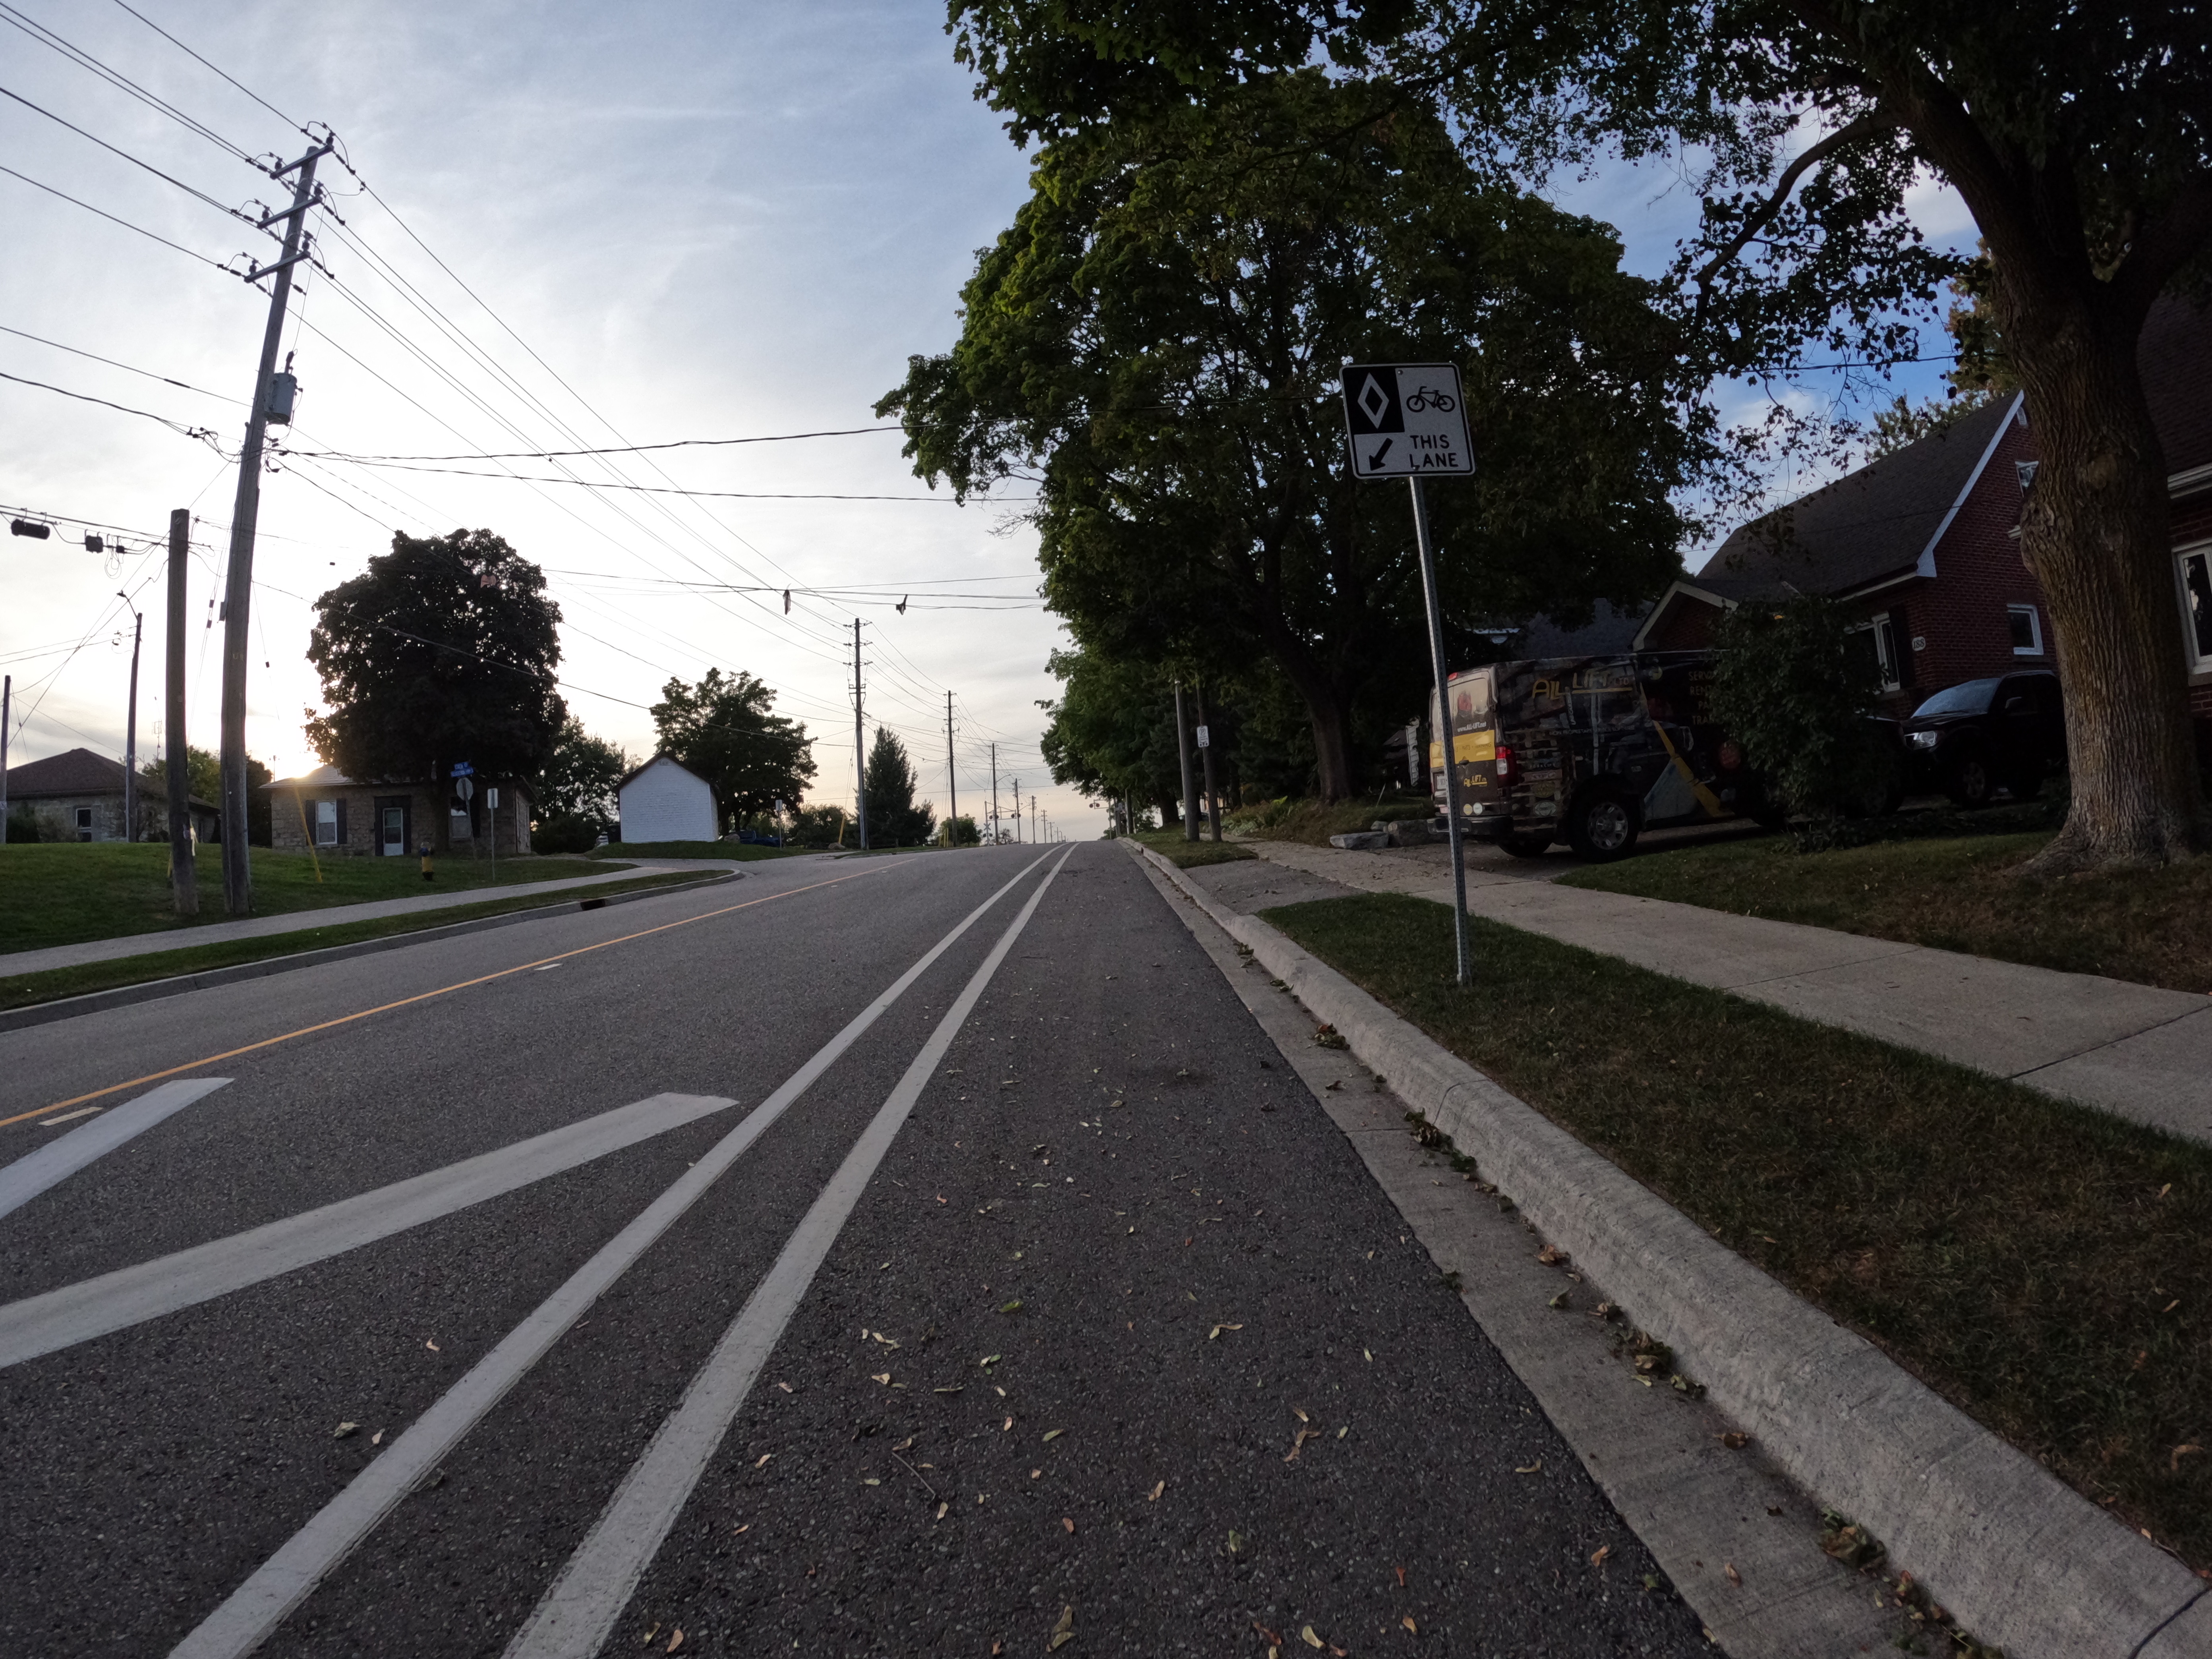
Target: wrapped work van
x=1591 y=751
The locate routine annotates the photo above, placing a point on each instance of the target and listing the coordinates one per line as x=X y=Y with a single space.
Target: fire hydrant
x=428 y=874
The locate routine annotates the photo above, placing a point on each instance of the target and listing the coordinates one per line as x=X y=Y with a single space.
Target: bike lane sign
x=1406 y=420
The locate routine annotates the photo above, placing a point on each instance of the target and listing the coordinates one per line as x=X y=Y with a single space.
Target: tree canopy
x=895 y=819
x=1159 y=339
x=725 y=730
x=443 y=650
x=575 y=793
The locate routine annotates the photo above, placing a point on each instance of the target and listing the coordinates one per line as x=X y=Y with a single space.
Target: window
x=2026 y=630
x=326 y=824
x=2197 y=590
x=1874 y=644
x=84 y=824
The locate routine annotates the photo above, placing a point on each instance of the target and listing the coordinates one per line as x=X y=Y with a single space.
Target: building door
x=392 y=829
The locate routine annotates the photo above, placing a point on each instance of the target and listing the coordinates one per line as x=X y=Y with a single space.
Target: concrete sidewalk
x=2133 y=1050
x=293 y=921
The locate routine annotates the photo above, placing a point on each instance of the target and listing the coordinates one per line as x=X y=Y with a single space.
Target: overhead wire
x=120 y=81
x=78 y=351
x=193 y=190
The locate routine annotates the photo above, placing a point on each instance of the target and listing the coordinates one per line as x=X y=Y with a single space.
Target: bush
x=567 y=834
x=1788 y=688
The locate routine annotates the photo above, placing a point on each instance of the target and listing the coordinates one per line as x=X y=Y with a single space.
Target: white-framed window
x=326 y=824
x=2026 y=625
x=84 y=817
x=2197 y=605
x=1875 y=639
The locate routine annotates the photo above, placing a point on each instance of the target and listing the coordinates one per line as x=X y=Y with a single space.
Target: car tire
x=1603 y=826
x=1527 y=847
x=1970 y=783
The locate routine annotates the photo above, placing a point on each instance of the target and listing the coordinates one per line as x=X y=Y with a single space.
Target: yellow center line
x=424 y=996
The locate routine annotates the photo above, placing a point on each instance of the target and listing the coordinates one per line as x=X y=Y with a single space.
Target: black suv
x=1976 y=737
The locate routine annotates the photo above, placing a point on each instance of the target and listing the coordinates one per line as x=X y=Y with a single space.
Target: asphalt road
x=1018 y=1292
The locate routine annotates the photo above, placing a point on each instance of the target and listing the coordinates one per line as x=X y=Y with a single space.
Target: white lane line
x=256 y=1607
x=58 y=1160
x=579 y=1611
x=70 y=1117
x=93 y=1307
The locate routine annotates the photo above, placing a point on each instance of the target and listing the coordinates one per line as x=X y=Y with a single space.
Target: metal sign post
x=1409 y=421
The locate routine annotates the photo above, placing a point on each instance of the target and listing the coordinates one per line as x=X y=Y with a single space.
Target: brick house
x=336 y=815
x=77 y=795
x=1921 y=546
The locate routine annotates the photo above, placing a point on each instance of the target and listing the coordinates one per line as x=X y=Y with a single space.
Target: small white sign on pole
x=1204 y=740
x=1406 y=420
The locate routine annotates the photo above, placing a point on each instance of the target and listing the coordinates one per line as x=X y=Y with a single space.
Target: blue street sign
x=463 y=769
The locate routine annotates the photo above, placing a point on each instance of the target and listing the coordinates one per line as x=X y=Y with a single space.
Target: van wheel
x=1526 y=846
x=1603 y=827
x=1970 y=783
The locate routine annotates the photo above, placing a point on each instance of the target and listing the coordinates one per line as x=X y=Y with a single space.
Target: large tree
x=2079 y=136
x=575 y=793
x=443 y=650
x=1112 y=731
x=1157 y=341
x=725 y=729
x=895 y=817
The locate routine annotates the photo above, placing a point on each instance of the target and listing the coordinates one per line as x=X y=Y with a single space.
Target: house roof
x=1870 y=524
x=72 y=772
x=329 y=777
x=1607 y=631
x=323 y=777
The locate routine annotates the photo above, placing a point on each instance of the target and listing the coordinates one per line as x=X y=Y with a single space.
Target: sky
x=591 y=226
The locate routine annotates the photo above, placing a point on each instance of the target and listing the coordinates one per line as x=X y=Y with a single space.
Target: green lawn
x=23 y=989
x=62 y=893
x=2042 y=1266
x=1170 y=845
x=1955 y=893
x=739 y=851
x=1314 y=822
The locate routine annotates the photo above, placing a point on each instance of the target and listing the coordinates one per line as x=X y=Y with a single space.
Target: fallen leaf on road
x=941 y=1508
x=1298 y=1414
x=871 y=1481
x=1561 y=1302
x=1235 y=1547
x=1273 y=1640
x=1008 y=1424
x=432 y=1346
x=1010 y=1307
x=1735 y=1439
x=1407 y=1621
x=944 y=1391
x=1217 y=1329
x=989 y=1359
x=1052 y=1435
x=1069 y=1524
x=1064 y=1630
x=2170 y=1306
x=1366 y=1356
x=1401 y=1571
x=880 y=1377
x=1298 y=1444
x=761 y=1462
x=1035 y=1472
x=1308 y=1636
x=940 y=1197
x=748 y=1526
x=1734 y=1576
x=1154 y=1496
x=1536 y=1467
x=1603 y=1550
x=1338 y=1084
x=1551 y=1255
x=344 y=1429
x=1343 y=1431
x=2174 y=1462
x=674 y=1643
x=786 y=1387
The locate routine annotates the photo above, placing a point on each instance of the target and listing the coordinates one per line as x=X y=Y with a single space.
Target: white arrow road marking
x=256 y=1607
x=579 y=1612
x=58 y=1160
x=93 y=1307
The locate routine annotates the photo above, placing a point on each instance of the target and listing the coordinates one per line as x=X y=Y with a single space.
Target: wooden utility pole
x=130 y=727
x=183 y=880
x=951 y=781
x=860 y=752
x=7 y=703
x=994 y=794
x=1183 y=754
x=238 y=604
x=1205 y=751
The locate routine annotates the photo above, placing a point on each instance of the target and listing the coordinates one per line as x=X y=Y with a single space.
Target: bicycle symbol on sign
x=1428 y=397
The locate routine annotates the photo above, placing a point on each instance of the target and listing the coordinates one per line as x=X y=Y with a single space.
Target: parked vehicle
x=1592 y=750
x=2005 y=732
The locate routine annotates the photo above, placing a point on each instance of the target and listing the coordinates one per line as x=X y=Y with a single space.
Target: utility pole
x=1018 y=811
x=237 y=871
x=6 y=702
x=130 y=727
x=859 y=754
x=1205 y=751
x=184 y=879
x=994 y=794
x=1183 y=754
x=951 y=783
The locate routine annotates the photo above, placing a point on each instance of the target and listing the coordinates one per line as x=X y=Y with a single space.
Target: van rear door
x=1475 y=742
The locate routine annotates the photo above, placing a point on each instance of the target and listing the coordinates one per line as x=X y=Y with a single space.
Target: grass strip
x=1189 y=854
x=2046 y=1268
x=23 y=990
x=1953 y=894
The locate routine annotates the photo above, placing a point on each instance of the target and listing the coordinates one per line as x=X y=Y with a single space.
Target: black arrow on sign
x=1376 y=459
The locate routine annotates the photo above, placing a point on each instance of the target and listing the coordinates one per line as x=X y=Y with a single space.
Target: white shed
x=663 y=800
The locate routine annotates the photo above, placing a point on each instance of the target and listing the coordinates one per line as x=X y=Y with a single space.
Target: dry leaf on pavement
x=344 y=1429
x=2173 y=1461
x=1154 y=1496
x=674 y=1642
x=1536 y=1467
x=1603 y=1550
x=1067 y=1523
x=1308 y=1636
x=1734 y=1576
x=1407 y=1621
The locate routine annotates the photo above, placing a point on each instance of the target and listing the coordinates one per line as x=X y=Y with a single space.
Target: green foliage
x=894 y=819
x=964 y=832
x=821 y=826
x=1112 y=729
x=575 y=793
x=1903 y=423
x=203 y=775
x=1160 y=334
x=443 y=650
x=23 y=824
x=1797 y=698
x=723 y=730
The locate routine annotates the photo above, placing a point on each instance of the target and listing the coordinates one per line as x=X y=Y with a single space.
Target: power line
x=197 y=59
x=120 y=81
x=638 y=488
x=190 y=190
x=624 y=449
x=86 y=397
x=113 y=219
x=80 y=352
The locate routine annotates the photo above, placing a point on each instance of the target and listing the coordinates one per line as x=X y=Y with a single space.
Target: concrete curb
x=122 y=996
x=2021 y=1559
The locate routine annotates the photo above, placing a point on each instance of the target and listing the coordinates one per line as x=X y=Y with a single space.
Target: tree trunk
x=1330 y=718
x=2095 y=532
